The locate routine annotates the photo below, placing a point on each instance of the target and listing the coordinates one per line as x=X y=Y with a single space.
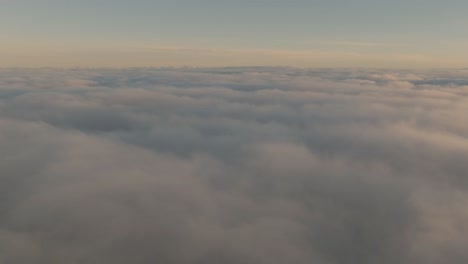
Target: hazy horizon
x=121 y=33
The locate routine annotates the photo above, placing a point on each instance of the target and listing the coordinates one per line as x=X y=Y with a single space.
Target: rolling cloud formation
x=233 y=165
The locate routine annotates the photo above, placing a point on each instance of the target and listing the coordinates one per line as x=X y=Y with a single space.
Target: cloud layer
x=233 y=165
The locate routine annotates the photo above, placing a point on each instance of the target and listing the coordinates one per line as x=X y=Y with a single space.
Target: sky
x=302 y=33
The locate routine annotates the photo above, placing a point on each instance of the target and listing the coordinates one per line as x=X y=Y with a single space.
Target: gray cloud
x=233 y=165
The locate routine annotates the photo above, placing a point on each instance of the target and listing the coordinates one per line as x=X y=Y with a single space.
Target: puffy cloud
x=233 y=165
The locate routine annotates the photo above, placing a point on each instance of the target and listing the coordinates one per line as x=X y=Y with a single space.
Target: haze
x=312 y=33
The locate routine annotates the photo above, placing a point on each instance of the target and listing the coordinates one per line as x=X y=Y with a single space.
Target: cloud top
x=233 y=165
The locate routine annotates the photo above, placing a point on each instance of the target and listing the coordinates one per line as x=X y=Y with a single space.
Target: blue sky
x=361 y=33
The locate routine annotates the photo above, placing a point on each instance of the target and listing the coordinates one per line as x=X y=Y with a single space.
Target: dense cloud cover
x=233 y=165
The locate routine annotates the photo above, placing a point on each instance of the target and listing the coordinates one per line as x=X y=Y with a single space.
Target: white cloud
x=233 y=165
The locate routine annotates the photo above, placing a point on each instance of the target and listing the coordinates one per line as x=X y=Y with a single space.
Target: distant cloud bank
x=233 y=165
